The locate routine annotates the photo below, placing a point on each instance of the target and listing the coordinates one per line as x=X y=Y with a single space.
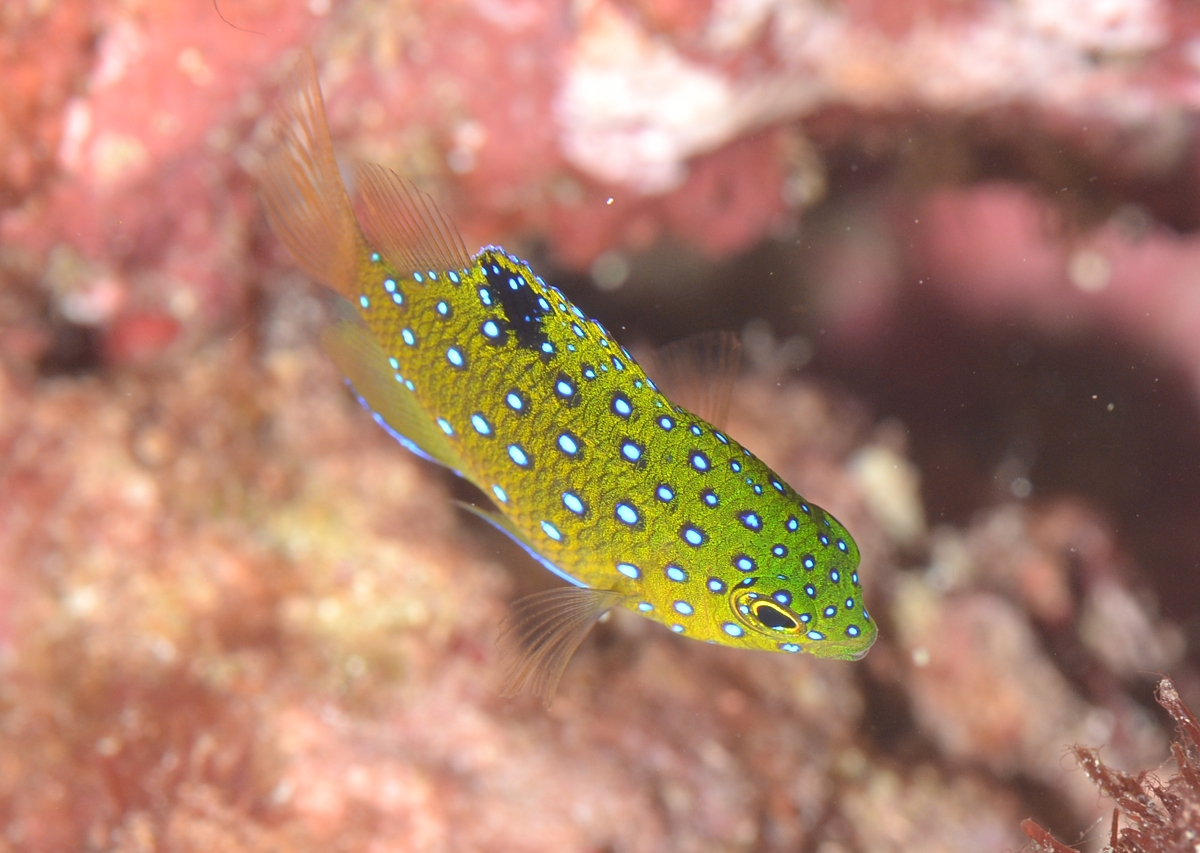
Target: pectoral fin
x=543 y=631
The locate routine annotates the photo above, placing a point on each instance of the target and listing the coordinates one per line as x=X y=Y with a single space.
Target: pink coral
x=248 y=619
x=516 y=111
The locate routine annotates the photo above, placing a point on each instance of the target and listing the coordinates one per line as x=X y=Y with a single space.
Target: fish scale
x=476 y=363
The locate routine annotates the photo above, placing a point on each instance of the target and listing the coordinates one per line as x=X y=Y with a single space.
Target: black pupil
x=772 y=617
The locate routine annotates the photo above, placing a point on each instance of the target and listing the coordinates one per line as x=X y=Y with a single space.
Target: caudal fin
x=302 y=190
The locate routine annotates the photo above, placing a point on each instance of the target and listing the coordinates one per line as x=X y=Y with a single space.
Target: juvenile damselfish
x=475 y=363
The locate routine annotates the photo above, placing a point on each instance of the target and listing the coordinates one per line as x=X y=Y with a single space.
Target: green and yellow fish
x=476 y=363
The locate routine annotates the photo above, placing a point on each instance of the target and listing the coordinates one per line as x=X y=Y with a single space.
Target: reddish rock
x=139 y=338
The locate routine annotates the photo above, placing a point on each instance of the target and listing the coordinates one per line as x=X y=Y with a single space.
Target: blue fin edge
x=501 y=523
x=407 y=443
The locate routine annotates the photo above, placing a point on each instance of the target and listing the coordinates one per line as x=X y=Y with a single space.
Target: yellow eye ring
x=764 y=614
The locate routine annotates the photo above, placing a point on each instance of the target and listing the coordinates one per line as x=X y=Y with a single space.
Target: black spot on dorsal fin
x=523 y=307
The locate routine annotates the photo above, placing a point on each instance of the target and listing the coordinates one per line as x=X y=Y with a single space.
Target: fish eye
x=772 y=617
x=763 y=613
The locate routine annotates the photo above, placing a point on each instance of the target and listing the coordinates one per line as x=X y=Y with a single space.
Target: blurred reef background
x=959 y=239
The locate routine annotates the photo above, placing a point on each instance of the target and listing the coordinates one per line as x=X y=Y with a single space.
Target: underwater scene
x=600 y=426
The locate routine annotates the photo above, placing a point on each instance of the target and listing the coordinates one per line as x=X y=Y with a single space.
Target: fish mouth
x=860 y=654
x=841 y=652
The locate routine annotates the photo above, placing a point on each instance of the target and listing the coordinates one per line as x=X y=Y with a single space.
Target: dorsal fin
x=406 y=225
x=302 y=190
x=541 y=633
x=698 y=373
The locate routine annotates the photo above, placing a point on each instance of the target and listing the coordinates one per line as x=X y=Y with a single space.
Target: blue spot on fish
x=693 y=535
x=627 y=514
x=481 y=424
x=518 y=455
x=568 y=444
x=629 y=570
x=750 y=520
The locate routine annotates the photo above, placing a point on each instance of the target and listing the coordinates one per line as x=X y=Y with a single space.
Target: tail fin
x=302 y=190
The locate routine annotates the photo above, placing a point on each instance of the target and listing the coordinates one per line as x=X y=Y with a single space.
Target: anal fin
x=542 y=632
x=364 y=363
x=506 y=527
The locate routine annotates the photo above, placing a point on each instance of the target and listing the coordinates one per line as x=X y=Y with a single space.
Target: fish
x=474 y=362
